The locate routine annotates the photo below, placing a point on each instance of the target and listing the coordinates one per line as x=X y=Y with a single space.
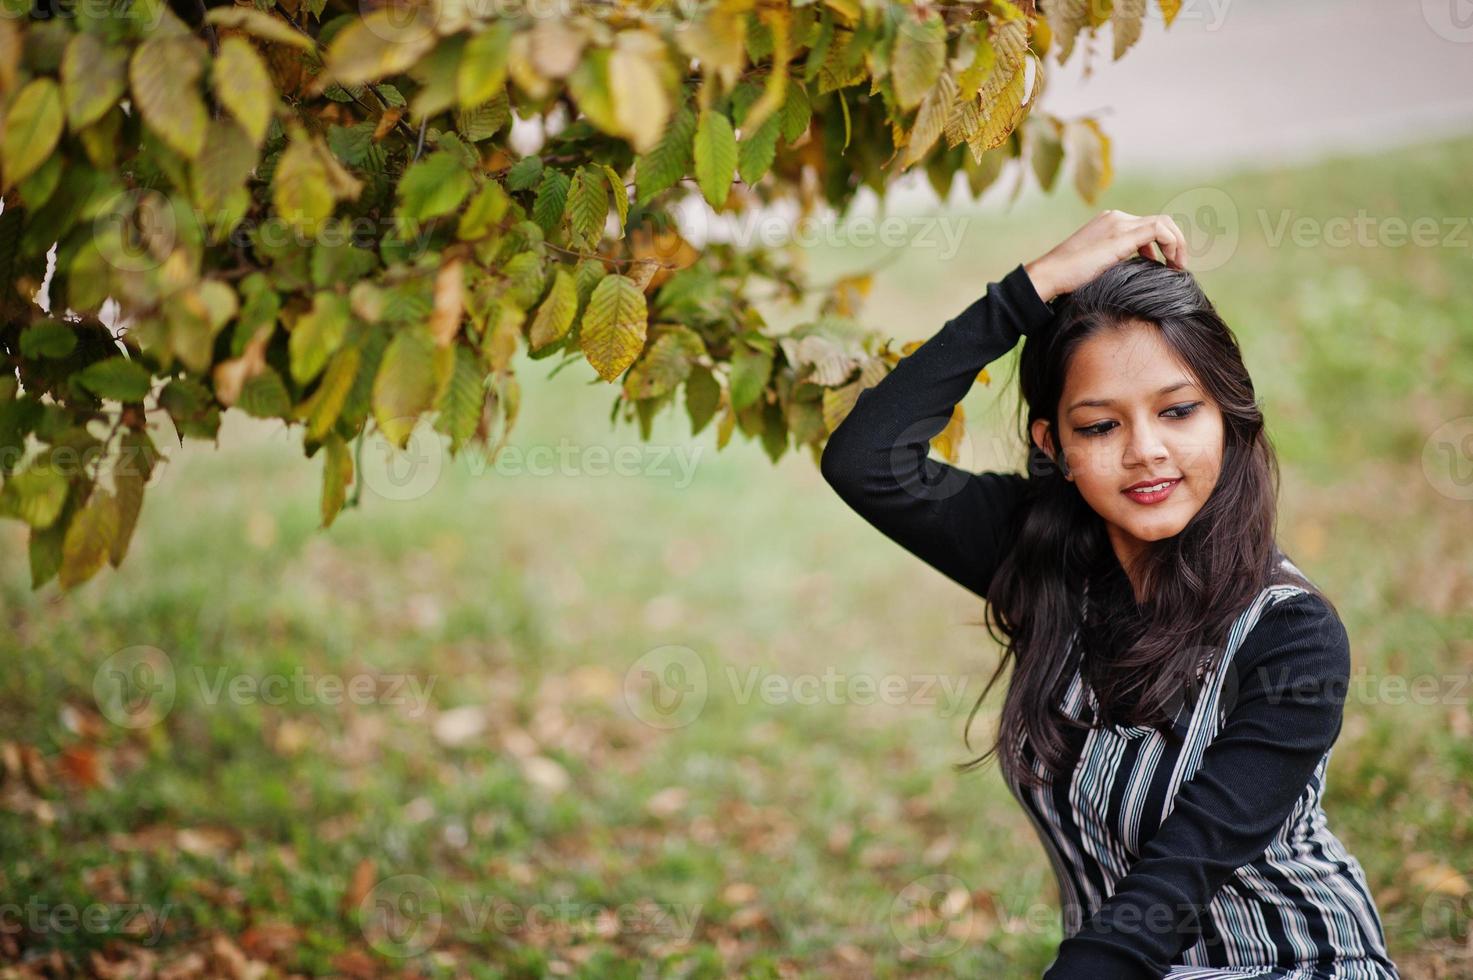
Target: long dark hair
x=1140 y=660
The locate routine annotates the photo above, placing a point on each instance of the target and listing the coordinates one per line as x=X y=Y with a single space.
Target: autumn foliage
x=341 y=217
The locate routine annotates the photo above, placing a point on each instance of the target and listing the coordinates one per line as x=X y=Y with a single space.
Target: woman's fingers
x=1179 y=241
x=1161 y=230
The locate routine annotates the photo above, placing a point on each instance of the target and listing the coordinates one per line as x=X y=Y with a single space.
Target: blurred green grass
x=770 y=835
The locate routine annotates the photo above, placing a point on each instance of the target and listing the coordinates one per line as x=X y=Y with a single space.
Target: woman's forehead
x=1131 y=361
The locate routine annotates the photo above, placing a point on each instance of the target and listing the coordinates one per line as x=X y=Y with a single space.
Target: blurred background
x=609 y=707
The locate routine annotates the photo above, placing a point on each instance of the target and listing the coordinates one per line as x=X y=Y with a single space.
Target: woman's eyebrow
x=1105 y=402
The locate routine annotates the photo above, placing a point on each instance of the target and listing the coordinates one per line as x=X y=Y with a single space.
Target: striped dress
x=1300 y=911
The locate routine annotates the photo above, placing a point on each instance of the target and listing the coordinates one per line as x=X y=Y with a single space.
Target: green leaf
x=191 y=407
x=552 y=198
x=524 y=278
x=459 y=408
x=243 y=86
x=164 y=72
x=94 y=77
x=485 y=210
x=482 y=72
x=751 y=365
x=408 y=382
x=614 y=325
x=432 y=186
x=32 y=128
x=337 y=260
x=264 y=396
x=524 y=174
x=716 y=156
x=588 y=207
x=435 y=74
x=797 y=112
x=670 y=159
x=35 y=191
x=485 y=120
x=317 y=334
x=35 y=494
x=47 y=339
x=117 y=378
x=702 y=398
x=756 y=152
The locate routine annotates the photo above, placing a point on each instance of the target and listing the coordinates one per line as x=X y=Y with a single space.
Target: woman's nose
x=1144 y=446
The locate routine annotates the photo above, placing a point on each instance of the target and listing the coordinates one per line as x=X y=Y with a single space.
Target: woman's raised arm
x=877 y=459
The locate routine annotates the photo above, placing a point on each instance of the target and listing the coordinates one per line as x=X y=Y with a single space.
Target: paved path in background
x=1253 y=83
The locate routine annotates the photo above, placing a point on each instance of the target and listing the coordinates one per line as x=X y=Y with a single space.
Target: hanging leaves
x=332 y=220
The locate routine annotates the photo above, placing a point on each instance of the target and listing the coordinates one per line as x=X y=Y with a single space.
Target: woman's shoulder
x=1299 y=634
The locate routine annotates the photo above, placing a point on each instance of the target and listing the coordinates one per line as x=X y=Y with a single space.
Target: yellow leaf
x=32 y=128
x=89 y=539
x=164 y=72
x=614 y=325
x=1066 y=17
x=382 y=42
x=300 y=189
x=555 y=315
x=948 y=441
x=1089 y=148
x=93 y=77
x=1127 y=20
x=260 y=24
x=321 y=411
x=918 y=58
x=935 y=110
x=641 y=104
x=337 y=474
x=503 y=329
x=243 y=86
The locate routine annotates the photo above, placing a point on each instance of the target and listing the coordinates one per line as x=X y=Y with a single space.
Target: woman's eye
x=1174 y=412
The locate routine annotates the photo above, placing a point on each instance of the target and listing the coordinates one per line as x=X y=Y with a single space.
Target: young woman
x=1178 y=682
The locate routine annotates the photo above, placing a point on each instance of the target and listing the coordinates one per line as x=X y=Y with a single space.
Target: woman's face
x=1132 y=413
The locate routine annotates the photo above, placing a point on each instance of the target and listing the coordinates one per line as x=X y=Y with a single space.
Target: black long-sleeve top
x=1250 y=811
